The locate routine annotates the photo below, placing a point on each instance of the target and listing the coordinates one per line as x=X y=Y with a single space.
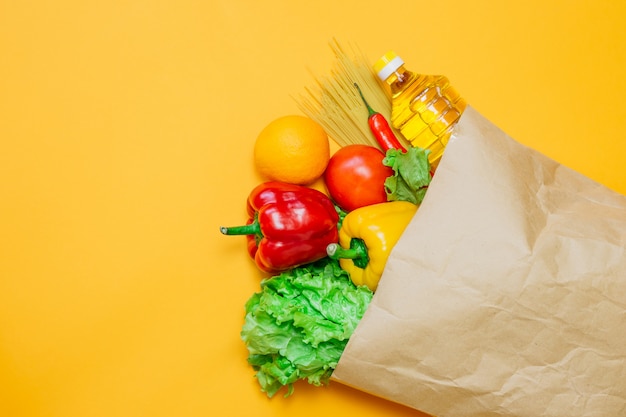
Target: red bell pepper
x=289 y=225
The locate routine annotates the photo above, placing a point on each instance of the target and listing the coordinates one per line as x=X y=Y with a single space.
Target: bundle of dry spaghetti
x=334 y=101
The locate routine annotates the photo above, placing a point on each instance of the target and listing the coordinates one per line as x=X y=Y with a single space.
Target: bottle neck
x=399 y=79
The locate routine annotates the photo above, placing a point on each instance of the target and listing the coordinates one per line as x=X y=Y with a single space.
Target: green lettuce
x=411 y=174
x=298 y=325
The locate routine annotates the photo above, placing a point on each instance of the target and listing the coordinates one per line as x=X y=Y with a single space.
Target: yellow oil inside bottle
x=424 y=109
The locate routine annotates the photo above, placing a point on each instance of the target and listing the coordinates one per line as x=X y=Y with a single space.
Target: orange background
x=126 y=133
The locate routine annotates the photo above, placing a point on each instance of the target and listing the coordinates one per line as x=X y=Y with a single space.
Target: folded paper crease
x=505 y=296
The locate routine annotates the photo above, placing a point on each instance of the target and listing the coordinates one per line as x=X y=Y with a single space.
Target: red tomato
x=355 y=176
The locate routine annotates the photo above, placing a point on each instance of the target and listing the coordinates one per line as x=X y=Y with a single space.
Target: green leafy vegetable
x=298 y=325
x=411 y=174
x=342 y=215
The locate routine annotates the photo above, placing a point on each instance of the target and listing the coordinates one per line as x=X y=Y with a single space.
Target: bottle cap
x=387 y=65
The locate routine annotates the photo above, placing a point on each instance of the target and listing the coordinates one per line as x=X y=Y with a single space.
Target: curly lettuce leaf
x=411 y=174
x=298 y=325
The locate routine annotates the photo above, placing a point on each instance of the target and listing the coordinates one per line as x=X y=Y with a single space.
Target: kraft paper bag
x=505 y=296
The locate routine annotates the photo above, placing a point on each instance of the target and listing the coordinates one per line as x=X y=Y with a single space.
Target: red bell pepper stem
x=248 y=229
x=380 y=128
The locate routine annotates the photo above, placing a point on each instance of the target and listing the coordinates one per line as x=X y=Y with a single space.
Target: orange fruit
x=293 y=149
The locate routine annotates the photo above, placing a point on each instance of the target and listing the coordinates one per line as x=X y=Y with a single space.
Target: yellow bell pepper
x=366 y=238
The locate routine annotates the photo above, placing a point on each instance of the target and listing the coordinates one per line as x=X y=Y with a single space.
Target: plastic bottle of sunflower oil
x=424 y=108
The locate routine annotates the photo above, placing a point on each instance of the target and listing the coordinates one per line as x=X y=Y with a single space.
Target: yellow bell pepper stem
x=357 y=252
x=366 y=238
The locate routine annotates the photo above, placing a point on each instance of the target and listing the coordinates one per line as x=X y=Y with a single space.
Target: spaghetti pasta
x=335 y=104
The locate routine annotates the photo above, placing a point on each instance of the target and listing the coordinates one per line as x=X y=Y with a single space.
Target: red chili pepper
x=288 y=225
x=380 y=128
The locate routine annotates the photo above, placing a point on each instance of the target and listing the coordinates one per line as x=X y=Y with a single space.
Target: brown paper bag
x=505 y=296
